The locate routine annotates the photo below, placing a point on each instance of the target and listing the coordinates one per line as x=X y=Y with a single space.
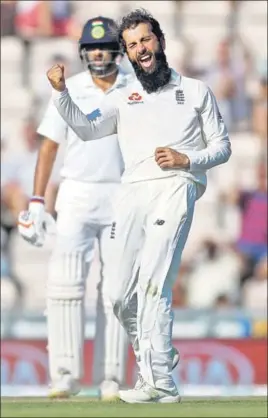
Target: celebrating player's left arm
x=85 y=127
x=214 y=132
x=169 y=158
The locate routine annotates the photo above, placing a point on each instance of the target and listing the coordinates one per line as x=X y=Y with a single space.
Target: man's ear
x=163 y=43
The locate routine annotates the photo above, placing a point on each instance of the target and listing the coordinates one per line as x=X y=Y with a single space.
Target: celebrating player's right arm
x=99 y=124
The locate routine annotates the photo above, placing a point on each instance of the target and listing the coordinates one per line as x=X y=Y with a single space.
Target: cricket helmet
x=100 y=33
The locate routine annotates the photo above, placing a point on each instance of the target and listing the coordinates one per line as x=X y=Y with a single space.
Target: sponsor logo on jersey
x=94 y=115
x=135 y=98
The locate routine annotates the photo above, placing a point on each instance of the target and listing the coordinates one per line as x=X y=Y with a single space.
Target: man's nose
x=141 y=49
x=98 y=52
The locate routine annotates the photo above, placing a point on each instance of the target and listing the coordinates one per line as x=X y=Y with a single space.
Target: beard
x=159 y=77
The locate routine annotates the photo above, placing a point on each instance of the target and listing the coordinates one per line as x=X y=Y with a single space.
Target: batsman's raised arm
x=101 y=123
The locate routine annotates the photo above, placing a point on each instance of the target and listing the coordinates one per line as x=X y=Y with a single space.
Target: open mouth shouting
x=146 y=61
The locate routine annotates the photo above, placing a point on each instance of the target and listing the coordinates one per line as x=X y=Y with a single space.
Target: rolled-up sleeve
x=52 y=125
x=215 y=135
x=102 y=122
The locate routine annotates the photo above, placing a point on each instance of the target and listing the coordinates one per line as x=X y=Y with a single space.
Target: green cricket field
x=85 y=407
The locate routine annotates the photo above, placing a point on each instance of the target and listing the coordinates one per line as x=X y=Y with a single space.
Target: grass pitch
x=85 y=407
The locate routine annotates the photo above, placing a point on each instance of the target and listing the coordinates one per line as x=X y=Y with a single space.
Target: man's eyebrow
x=142 y=39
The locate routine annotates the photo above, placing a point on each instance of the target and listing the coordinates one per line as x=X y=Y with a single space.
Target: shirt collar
x=121 y=79
x=175 y=78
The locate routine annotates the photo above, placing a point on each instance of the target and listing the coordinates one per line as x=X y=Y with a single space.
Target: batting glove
x=33 y=223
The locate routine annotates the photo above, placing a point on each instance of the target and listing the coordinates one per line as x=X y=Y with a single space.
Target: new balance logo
x=179 y=95
x=112 y=235
x=159 y=222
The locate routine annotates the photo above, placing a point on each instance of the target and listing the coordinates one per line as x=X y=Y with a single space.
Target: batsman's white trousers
x=151 y=226
x=84 y=215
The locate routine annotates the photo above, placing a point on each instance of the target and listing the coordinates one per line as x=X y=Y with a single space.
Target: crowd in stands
x=225 y=261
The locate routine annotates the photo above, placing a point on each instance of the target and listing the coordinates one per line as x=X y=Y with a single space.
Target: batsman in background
x=91 y=174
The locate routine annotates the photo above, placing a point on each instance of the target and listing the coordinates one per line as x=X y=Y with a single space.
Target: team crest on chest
x=179 y=96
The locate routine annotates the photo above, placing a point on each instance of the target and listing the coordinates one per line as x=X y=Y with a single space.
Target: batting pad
x=65 y=314
x=110 y=350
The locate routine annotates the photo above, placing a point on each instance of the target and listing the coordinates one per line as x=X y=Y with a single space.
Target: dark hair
x=133 y=19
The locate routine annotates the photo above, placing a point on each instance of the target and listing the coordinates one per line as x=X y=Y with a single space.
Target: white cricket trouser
x=84 y=215
x=151 y=226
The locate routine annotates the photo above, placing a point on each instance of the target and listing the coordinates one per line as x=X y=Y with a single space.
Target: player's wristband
x=37 y=199
x=56 y=94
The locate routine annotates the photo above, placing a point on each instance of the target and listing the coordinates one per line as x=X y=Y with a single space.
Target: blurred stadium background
x=220 y=297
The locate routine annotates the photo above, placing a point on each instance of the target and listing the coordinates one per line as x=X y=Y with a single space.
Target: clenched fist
x=169 y=158
x=56 y=77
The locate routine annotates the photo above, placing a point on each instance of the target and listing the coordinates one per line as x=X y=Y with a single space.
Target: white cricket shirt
x=92 y=161
x=182 y=115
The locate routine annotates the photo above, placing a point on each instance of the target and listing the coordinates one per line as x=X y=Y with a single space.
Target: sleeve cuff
x=58 y=94
x=194 y=160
